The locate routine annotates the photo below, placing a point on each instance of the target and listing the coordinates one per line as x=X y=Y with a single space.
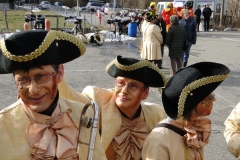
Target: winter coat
x=198 y=13
x=190 y=29
x=175 y=40
x=162 y=25
x=152 y=40
x=207 y=12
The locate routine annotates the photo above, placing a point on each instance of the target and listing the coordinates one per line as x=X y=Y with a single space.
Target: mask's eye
x=23 y=81
x=133 y=86
x=41 y=78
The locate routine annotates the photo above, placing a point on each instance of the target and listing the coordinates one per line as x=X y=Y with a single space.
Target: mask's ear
x=146 y=92
x=60 y=73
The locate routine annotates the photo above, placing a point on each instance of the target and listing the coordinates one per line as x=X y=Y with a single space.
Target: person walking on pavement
x=191 y=34
x=175 y=42
x=207 y=12
x=162 y=25
x=152 y=40
x=142 y=26
x=198 y=14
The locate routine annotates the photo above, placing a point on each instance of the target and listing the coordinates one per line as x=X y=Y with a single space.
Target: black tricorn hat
x=144 y=13
x=150 y=16
x=140 y=70
x=34 y=48
x=190 y=85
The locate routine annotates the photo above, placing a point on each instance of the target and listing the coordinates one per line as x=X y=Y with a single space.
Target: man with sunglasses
x=125 y=119
x=41 y=125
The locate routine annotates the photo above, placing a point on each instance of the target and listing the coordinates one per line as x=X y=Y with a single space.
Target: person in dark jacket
x=198 y=14
x=162 y=25
x=175 y=41
x=191 y=34
x=207 y=12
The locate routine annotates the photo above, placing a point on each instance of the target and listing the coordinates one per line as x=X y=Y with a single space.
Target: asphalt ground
x=222 y=47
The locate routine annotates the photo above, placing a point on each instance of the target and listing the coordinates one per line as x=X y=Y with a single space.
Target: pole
x=221 y=14
x=5 y=15
x=84 y=24
x=91 y=17
x=78 y=7
x=57 y=23
x=114 y=5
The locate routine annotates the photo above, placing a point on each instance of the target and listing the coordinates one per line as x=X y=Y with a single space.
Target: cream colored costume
x=165 y=144
x=144 y=23
x=152 y=40
x=232 y=131
x=25 y=133
x=112 y=120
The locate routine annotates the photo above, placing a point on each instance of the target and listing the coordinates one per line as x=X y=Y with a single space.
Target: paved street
x=223 y=47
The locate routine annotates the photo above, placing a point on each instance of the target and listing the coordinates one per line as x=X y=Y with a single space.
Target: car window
x=120 y=6
x=96 y=4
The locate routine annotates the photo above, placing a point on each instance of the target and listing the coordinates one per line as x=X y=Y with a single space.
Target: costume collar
x=135 y=116
x=51 y=136
x=51 y=108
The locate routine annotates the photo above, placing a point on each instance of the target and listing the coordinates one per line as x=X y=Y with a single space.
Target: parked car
x=45 y=5
x=109 y=7
x=84 y=8
x=93 y=6
x=59 y=4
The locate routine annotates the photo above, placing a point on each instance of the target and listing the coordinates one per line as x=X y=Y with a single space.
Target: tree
x=233 y=11
x=221 y=14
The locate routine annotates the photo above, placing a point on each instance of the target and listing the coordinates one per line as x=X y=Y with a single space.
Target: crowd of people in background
x=167 y=22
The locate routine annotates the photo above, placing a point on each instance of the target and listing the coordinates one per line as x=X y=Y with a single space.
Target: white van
x=215 y=5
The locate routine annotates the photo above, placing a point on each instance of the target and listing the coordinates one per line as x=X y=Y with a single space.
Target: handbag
x=185 y=45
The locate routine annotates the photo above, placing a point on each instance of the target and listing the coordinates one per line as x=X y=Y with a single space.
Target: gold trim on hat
x=135 y=66
x=194 y=85
x=50 y=37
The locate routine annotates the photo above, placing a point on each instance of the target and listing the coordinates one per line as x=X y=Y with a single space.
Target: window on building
x=218 y=8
